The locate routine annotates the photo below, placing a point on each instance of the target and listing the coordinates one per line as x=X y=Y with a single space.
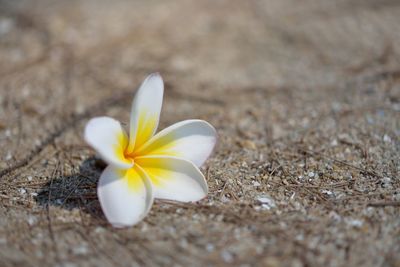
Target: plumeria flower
x=143 y=166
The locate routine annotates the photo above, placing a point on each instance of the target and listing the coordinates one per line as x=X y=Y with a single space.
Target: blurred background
x=305 y=96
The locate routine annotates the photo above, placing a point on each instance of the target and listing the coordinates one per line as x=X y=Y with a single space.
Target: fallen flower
x=144 y=166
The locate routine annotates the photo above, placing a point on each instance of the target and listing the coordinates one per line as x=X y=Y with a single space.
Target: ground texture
x=305 y=96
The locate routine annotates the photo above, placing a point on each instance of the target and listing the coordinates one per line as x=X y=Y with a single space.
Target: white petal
x=174 y=178
x=125 y=195
x=192 y=140
x=145 y=113
x=108 y=138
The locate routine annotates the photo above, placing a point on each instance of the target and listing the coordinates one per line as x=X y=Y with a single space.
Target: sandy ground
x=305 y=96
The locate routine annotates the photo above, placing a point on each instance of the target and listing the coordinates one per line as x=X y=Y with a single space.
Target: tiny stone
x=266 y=202
x=266 y=206
x=354 y=222
x=344 y=137
x=299 y=237
x=32 y=220
x=334 y=216
x=336 y=106
x=25 y=91
x=210 y=247
x=183 y=242
x=327 y=192
x=225 y=199
x=311 y=174
x=226 y=256
x=79 y=109
x=5 y=25
x=80 y=250
x=396 y=196
x=219 y=218
x=256 y=184
x=249 y=145
x=29 y=178
x=179 y=211
x=386 y=180
x=387 y=139
x=39 y=254
x=99 y=230
x=22 y=191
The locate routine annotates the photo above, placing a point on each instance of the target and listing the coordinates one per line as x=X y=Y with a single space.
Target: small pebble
x=266 y=202
x=179 y=211
x=8 y=156
x=32 y=220
x=224 y=199
x=387 y=139
x=22 y=191
x=6 y=25
x=183 y=243
x=227 y=256
x=249 y=145
x=99 y=229
x=80 y=250
x=386 y=182
x=334 y=216
x=299 y=237
x=354 y=222
x=327 y=192
x=266 y=206
x=210 y=247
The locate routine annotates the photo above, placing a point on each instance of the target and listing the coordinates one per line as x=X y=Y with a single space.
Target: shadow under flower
x=78 y=191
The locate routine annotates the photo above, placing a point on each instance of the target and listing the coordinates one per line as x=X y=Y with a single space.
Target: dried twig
x=384 y=204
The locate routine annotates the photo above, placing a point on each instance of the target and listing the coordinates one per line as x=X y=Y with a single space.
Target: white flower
x=144 y=166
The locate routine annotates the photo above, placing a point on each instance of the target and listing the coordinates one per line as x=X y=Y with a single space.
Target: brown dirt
x=305 y=96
